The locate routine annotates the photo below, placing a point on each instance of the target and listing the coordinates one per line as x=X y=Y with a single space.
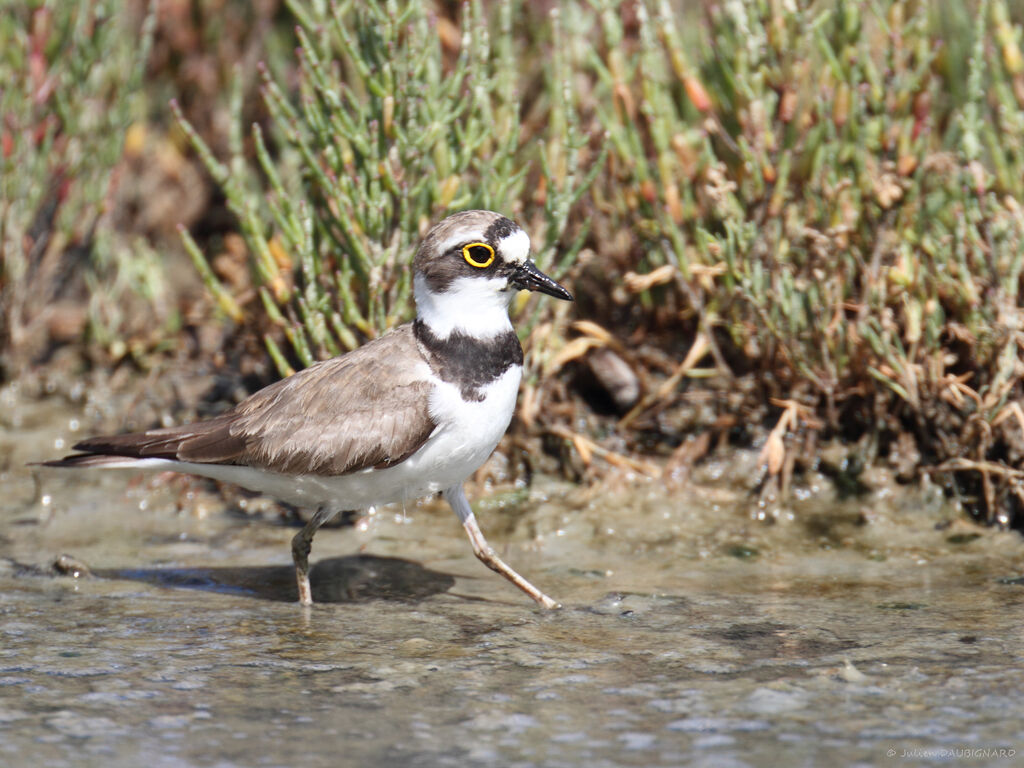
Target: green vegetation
x=806 y=220
x=70 y=79
x=840 y=210
x=383 y=138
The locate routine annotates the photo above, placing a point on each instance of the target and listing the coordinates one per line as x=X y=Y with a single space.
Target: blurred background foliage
x=784 y=222
x=70 y=84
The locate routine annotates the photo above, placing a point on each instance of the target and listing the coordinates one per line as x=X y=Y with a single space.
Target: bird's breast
x=485 y=413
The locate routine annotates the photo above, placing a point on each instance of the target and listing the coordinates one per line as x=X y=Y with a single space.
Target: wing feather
x=368 y=408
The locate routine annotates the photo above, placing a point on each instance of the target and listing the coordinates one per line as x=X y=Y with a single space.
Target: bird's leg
x=457 y=499
x=302 y=543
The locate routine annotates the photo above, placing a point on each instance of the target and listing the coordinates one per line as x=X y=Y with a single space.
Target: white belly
x=466 y=434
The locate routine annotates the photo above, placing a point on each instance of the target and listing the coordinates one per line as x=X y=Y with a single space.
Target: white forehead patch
x=515 y=248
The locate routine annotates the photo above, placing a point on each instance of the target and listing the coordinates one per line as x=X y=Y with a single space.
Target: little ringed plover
x=413 y=412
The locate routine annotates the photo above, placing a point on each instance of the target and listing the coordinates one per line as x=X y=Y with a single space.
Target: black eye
x=478 y=255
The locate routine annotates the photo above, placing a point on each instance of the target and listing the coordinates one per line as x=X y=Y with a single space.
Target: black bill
x=527 y=277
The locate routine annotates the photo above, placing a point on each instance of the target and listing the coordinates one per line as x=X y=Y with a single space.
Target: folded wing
x=366 y=409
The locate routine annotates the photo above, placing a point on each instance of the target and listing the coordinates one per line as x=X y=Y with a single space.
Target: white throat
x=475 y=306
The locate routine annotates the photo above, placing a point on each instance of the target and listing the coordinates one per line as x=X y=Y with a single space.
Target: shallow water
x=878 y=630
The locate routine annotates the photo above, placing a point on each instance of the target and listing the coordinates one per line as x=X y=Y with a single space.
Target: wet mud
x=699 y=626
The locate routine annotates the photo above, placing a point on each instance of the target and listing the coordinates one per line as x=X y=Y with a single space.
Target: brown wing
x=368 y=408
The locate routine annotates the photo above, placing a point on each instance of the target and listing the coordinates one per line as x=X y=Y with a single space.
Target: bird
x=411 y=413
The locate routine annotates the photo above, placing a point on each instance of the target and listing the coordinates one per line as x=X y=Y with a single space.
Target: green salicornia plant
x=70 y=77
x=398 y=119
x=834 y=192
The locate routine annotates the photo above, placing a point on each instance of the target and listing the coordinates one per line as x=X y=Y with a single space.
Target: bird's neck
x=469 y=306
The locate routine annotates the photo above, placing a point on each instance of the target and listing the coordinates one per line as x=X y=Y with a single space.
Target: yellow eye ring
x=479 y=255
